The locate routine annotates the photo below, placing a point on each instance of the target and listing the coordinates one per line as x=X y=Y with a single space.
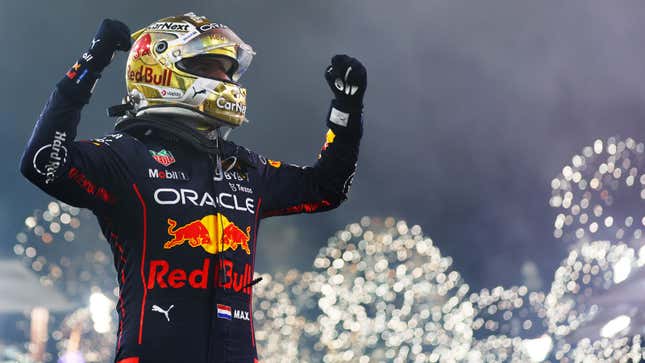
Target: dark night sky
x=472 y=108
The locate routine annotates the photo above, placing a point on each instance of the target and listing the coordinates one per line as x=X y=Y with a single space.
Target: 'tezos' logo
x=169 y=26
x=242 y=188
x=147 y=75
x=167 y=174
x=49 y=158
x=163 y=157
x=142 y=46
x=213 y=233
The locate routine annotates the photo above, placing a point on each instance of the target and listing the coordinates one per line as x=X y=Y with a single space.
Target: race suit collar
x=181 y=133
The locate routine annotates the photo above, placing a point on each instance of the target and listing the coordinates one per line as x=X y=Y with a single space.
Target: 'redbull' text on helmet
x=159 y=82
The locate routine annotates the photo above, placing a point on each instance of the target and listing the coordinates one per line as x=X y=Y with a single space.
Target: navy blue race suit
x=183 y=233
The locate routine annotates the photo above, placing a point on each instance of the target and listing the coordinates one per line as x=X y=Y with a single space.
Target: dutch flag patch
x=224 y=312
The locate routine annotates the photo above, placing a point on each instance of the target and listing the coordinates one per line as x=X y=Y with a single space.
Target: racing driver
x=179 y=204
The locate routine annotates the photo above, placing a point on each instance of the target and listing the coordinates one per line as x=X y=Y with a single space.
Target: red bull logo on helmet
x=142 y=46
x=214 y=233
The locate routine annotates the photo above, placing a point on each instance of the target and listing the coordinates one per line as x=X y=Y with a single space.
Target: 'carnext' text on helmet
x=169 y=26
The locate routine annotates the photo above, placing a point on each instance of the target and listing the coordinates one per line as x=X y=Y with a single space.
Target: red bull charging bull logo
x=214 y=233
x=142 y=46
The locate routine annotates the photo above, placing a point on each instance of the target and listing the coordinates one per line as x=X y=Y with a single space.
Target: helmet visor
x=217 y=40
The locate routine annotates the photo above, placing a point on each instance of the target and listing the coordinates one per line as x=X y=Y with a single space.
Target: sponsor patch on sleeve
x=338 y=117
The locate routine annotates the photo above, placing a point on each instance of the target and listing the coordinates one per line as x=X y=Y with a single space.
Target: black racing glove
x=79 y=81
x=347 y=78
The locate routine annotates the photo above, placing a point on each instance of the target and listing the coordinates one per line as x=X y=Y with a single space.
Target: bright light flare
x=615 y=326
x=101 y=309
x=539 y=348
x=622 y=268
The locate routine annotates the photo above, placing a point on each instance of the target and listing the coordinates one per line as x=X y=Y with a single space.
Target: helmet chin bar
x=187 y=116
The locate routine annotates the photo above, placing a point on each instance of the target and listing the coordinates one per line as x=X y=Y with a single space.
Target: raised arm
x=83 y=174
x=290 y=189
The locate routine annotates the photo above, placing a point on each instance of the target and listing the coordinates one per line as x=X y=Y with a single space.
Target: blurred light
x=30 y=252
x=641 y=256
x=101 y=312
x=615 y=326
x=597 y=146
x=622 y=268
x=30 y=222
x=71 y=357
x=539 y=348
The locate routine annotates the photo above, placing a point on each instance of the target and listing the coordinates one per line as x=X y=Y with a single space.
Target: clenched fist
x=80 y=79
x=111 y=36
x=347 y=78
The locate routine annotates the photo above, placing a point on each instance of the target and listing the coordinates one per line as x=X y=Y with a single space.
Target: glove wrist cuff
x=345 y=122
x=348 y=107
